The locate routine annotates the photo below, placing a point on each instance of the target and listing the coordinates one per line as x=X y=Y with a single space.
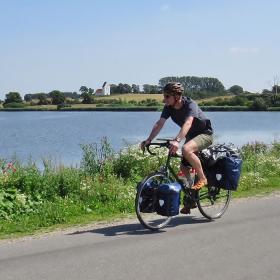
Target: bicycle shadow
x=138 y=229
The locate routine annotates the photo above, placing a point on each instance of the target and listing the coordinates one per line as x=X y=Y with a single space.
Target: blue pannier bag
x=148 y=199
x=222 y=164
x=231 y=172
x=215 y=174
x=168 y=200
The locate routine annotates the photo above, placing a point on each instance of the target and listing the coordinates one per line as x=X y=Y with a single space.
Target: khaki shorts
x=202 y=141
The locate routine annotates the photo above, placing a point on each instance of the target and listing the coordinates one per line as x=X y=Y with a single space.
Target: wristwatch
x=177 y=139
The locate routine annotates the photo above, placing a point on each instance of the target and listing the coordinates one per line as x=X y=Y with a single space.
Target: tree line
x=195 y=87
x=256 y=102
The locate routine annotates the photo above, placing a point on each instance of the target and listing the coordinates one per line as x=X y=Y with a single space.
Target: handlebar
x=165 y=144
x=160 y=145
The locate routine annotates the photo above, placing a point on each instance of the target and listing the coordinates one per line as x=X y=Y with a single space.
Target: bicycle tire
x=213 y=201
x=151 y=220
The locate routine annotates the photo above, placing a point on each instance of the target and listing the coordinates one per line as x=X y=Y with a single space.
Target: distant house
x=105 y=90
x=99 y=92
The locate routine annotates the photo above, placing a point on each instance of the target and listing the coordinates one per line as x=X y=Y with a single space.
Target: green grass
x=103 y=188
x=42 y=107
x=130 y=96
x=54 y=217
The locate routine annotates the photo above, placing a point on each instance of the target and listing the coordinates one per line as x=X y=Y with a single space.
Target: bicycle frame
x=168 y=168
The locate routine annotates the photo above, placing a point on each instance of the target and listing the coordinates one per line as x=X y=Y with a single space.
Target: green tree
x=265 y=91
x=146 y=88
x=206 y=86
x=42 y=99
x=236 y=90
x=87 y=98
x=135 y=88
x=28 y=97
x=238 y=101
x=276 y=89
x=150 y=88
x=120 y=88
x=259 y=104
x=124 y=88
x=114 y=89
x=127 y=88
x=57 y=97
x=83 y=89
x=90 y=90
x=13 y=97
x=72 y=95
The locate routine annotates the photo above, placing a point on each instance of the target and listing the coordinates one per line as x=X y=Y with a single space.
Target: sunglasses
x=167 y=96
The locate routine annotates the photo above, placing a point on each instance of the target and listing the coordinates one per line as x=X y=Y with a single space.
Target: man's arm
x=185 y=128
x=155 y=131
x=181 y=135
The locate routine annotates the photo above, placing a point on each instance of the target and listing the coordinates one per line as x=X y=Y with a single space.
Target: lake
x=58 y=135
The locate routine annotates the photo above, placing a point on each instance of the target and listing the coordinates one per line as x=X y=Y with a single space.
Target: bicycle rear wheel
x=146 y=201
x=213 y=202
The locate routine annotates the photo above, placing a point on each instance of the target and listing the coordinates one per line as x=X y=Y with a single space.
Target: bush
x=14 y=105
x=63 y=105
x=258 y=104
x=96 y=157
x=236 y=89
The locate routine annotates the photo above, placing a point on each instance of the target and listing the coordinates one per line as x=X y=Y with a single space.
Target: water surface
x=59 y=134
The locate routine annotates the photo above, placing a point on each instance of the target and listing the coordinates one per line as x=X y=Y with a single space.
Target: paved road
x=244 y=244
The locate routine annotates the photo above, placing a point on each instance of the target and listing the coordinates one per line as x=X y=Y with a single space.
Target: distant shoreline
x=137 y=109
x=110 y=109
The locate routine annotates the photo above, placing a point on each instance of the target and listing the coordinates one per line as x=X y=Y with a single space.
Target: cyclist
x=195 y=129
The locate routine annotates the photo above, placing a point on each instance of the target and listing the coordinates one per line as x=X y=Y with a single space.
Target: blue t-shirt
x=200 y=124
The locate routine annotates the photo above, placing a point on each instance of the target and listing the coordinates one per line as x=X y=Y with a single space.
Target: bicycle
x=212 y=201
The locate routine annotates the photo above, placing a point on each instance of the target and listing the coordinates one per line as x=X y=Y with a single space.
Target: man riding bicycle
x=195 y=129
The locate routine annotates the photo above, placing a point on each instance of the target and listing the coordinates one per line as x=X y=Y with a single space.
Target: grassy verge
x=103 y=187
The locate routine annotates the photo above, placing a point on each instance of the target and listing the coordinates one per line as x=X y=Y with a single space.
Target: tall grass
x=103 y=186
x=261 y=169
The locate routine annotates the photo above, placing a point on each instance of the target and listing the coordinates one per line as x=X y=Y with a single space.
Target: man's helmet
x=173 y=88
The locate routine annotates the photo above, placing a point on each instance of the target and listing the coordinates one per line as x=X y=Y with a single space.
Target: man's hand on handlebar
x=144 y=144
x=173 y=148
x=172 y=145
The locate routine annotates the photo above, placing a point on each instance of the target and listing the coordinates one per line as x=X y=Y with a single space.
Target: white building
x=105 y=90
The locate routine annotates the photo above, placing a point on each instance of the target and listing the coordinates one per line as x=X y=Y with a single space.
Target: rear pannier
x=223 y=166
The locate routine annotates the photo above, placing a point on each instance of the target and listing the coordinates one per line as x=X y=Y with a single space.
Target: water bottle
x=191 y=177
x=186 y=180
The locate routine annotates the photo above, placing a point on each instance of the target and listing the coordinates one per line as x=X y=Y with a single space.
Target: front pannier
x=168 y=201
x=148 y=199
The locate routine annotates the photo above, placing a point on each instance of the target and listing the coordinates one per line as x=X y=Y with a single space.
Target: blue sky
x=47 y=45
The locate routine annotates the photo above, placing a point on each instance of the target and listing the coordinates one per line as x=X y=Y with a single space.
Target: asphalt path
x=243 y=244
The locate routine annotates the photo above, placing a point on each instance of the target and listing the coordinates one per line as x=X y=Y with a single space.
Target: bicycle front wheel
x=213 y=202
x=146 y=202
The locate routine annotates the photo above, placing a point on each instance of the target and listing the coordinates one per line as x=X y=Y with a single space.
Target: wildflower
x=9 y=166
x=21 y=198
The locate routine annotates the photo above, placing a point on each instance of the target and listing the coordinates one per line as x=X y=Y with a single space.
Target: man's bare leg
x=189 y=150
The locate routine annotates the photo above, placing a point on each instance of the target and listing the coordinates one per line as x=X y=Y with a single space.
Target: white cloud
x=164 y=7
x=238 y=50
